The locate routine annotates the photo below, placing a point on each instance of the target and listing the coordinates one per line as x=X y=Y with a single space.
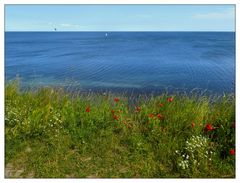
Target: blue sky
x=120 y=17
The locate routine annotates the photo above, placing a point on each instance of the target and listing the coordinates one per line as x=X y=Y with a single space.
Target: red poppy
x=161 y=105
x=193 y=124
x=209 y=127
x=160 y=116
x=116 y=99
x=138 y=109
x=151 y=116
x=115 y=117
x=112 y=111
x=232 y=152
x=170 y=99
x=88 y=109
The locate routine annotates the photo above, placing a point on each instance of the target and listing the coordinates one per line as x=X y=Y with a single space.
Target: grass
x=51 y=133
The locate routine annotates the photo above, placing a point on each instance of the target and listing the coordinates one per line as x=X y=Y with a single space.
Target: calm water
x=123 y=60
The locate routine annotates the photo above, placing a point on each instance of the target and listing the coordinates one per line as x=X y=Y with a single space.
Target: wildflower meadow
x=51 y=133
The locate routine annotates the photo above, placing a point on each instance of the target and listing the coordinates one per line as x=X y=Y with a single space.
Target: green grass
x=49 y=133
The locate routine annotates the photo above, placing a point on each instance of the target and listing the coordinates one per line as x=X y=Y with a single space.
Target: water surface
x=142 y=61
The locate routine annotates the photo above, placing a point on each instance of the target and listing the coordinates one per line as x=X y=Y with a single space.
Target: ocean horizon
x=123 y=60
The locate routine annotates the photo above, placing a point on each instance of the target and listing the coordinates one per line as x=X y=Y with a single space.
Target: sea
x=141 y=62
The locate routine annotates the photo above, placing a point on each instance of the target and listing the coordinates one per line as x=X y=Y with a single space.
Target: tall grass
x=51 y=133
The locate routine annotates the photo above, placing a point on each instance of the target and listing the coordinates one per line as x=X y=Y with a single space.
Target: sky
x=120 y=17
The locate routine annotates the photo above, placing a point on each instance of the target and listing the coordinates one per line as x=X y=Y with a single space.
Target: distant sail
x=106 y=34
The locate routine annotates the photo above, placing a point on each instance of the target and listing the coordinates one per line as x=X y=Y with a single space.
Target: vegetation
x=52 y=133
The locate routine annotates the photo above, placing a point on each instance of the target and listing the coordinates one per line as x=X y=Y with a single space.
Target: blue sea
x=123 y=61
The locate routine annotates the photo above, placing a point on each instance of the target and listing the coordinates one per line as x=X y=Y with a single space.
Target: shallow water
x=141 y=61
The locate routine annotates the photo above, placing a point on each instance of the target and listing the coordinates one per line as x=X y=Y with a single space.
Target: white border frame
x=5 y=2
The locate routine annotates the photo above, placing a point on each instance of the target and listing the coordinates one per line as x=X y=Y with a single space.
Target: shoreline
x=143 y=91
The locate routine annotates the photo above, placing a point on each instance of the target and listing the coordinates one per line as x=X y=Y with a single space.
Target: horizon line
x=124 y=31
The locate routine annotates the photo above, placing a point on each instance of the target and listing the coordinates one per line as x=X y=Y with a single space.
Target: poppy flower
x=138 y=109
x=116 y=99
x=88 y=109
x=161 y=105
x=232 y=152
x=170 y=99
x=209 y=127
x=160 y=116
x=115 y=117
x=193 y=124
x=151 y=116
x=112 y=111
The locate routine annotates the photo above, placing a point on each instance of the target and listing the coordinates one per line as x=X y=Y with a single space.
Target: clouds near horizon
x=120 y=17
